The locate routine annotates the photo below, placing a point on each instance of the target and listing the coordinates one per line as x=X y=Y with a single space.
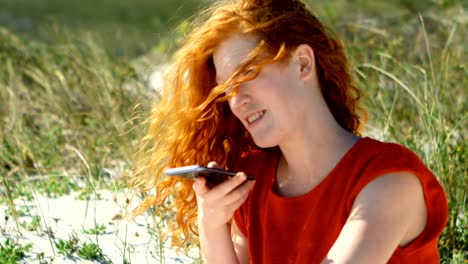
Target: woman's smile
x=254 y=117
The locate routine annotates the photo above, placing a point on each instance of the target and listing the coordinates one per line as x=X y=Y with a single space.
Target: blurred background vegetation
x=127 y=28
x=73 y=101
x=130 y=28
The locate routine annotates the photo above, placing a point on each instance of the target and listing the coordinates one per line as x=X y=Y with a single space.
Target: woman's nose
x=238 y=99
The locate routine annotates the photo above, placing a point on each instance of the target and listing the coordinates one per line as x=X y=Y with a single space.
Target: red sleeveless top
x=302 y=229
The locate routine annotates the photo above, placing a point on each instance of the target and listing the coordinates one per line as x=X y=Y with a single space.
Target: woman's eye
x=248 y=72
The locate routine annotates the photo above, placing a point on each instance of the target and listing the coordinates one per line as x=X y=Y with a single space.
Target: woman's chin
x=263 y=143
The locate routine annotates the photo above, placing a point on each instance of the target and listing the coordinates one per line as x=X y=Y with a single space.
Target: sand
x=67 y=216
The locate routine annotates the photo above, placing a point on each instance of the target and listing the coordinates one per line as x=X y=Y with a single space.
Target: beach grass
x=73 y=102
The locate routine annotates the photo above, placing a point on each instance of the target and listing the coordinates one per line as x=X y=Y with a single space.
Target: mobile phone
x=213 y=176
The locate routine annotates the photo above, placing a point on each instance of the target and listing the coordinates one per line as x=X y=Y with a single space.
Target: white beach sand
x=67 y=215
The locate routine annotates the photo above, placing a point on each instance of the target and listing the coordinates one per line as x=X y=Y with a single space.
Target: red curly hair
x=192 y=124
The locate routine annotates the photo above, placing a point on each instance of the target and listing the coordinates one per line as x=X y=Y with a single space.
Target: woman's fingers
x=237 y=203
x=231 y=193
x=217 y=205
x=225 y=193
x=239 y=193
x=228 y=186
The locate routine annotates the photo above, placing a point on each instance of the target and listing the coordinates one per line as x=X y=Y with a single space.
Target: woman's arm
x=217 y=246
x=389 y=212
x=241 y=245
x=215 y=208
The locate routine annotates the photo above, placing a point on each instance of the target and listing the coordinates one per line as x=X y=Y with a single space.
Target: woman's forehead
x=231 y=53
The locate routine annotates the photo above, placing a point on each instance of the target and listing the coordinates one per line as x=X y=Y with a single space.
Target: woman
x=264 y=89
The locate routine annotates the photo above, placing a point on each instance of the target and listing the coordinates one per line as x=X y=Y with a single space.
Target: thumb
x=213 y=164
x=199 y=186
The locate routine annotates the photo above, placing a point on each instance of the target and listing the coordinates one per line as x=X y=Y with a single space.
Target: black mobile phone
x=213 y=176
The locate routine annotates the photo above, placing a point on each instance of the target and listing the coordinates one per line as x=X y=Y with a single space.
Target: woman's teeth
x=254 y=117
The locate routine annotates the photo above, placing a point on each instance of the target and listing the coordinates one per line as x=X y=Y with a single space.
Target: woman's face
x=273 y=105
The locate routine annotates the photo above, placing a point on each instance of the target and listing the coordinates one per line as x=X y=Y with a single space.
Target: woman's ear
x=306 y=61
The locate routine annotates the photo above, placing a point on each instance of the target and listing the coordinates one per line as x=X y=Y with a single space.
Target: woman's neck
x=308 y=157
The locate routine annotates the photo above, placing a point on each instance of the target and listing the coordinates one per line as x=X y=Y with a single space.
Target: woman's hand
x=217 y=205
